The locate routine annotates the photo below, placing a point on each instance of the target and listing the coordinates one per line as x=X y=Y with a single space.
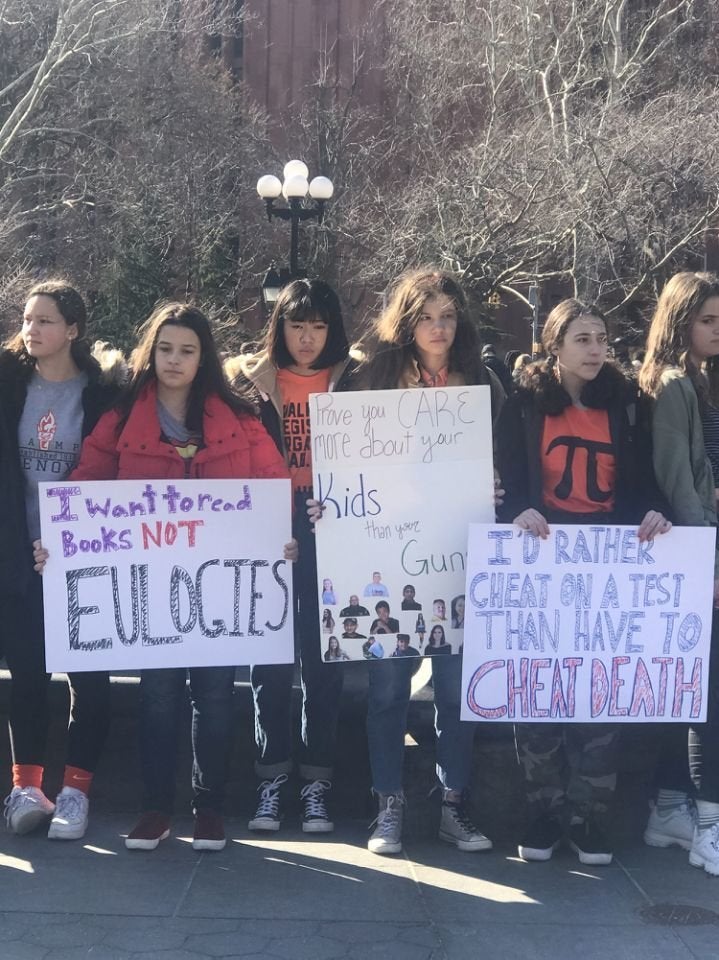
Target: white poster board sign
x=400 y=474
x=152 y=573
x=589 y=625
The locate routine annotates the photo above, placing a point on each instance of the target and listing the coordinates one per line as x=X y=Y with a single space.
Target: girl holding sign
x=568 y=453
x=304 y=351
x=51 y=395
x=424 y=338
x=179 y=419
x=681 y=375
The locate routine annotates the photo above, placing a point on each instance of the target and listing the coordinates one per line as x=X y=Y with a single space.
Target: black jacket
x=519 y=436
x=15 y=374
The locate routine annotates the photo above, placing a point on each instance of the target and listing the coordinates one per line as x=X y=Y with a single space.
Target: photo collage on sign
x=376 y=622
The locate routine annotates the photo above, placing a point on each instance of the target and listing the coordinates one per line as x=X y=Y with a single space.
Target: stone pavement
x=295 y=896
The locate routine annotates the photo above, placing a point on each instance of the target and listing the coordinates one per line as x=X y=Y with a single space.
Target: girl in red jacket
x=178 y=419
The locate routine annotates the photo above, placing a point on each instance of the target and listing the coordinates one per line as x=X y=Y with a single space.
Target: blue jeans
x=387 y=704
x=321 y=686
x=162 y=695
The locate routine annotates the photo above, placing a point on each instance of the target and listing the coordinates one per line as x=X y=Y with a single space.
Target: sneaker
x=209 y=831
x=268 y=814
x=26 y=808
x=455 y=826
x=590 y=844
x=315 y=818
x=542 y=838
x=675 y=827
x=152 y=827
x=70 y=820
x=387 y=836
x=705 y=849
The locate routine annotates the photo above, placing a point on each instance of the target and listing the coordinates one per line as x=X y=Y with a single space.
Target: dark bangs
x=303 y=301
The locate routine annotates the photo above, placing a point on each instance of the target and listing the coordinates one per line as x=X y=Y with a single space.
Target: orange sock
x=78 y=778
x=27 y=775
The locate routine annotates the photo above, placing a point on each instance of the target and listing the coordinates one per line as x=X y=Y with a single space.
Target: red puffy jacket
x=234 y=446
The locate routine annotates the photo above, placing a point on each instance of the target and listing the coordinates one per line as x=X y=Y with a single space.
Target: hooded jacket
x=234 y=446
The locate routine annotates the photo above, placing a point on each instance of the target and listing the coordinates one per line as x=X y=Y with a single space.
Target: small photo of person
x=439 y=611
x=408 y=601
x=436 y=642
x=372 y=649
x=384 y=623
x=328 y=592
x=403 y=648
x=376 y=588
x=350 y=629
x=328 y=622
x=334 y=651
x=355 y=608
x=420 y=628
x=456 y=612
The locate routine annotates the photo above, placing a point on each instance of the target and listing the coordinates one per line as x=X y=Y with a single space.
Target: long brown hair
x=669 y=337
x=209 y=379
x=389 y=345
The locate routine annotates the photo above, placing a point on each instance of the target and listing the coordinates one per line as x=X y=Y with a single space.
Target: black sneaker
x=268 y=815
x=542 y=838
x=315 y=818
x=590 y=844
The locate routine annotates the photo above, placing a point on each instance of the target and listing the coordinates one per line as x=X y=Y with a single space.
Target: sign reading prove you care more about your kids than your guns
x=589 y=625
x=180 y=573
x=400 y=474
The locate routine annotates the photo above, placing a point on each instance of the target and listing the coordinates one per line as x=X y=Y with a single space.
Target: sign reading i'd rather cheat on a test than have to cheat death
x=589 y=625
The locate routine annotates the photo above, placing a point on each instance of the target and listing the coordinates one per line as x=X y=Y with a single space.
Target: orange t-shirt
x=295 y=391
x=578 y=463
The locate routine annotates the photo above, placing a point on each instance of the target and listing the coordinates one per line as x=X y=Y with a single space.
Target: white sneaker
x=705 y=849
x=70 y=820
x=675 y=827
x=26 y=808
x=387 y=837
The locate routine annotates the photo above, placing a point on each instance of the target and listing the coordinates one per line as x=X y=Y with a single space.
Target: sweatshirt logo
x=46 y=427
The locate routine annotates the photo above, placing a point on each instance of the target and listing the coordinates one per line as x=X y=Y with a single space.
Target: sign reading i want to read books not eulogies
x=400 y=475
x=151 y=573
x=589 y=625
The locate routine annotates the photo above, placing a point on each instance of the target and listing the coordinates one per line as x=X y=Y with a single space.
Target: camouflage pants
x=569 y=768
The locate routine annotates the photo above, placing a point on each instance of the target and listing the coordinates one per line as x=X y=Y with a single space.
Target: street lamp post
x=295 y=189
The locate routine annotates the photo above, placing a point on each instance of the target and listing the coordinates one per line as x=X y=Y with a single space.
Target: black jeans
x=162 y=697
x=22 y=620
x=321 y=685
x=694 y=771
x=704 y=737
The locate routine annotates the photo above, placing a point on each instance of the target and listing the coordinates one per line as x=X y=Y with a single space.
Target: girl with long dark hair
x=180 y=419
x=570 y=769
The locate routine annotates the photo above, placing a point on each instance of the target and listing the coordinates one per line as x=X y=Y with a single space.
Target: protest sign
x=400 y=474
x=150 y=573
x=589 y=625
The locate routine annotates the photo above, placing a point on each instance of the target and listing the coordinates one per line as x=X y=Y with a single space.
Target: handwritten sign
x=150 y=573
x=589 y=625
x=400 y=474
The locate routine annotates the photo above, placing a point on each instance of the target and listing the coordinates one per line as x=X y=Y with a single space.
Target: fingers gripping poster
x=182 y=573
x=589 y=625
x=400 y=474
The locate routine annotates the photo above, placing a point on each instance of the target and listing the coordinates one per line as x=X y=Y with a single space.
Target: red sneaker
x=209 y=831
x=152 y=827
